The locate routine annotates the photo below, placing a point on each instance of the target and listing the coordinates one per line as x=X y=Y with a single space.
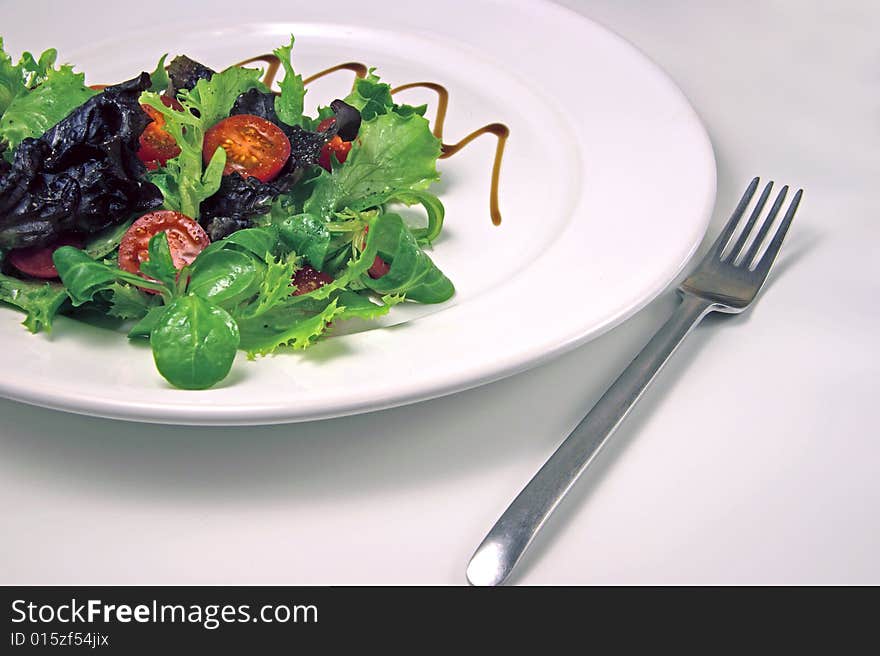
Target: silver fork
x=727 y=280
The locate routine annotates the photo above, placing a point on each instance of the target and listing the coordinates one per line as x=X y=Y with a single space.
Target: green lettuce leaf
x=373 y=98
x=11 y=80
x=275 y=287
x=393 y=154
x=289 y=104
x=31 y=113
x=276 y=318
x=213 y=99
x=370 y=96
x=159 y=77
x=27 y=74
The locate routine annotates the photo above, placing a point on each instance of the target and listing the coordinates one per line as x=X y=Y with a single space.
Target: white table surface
x=755 y=458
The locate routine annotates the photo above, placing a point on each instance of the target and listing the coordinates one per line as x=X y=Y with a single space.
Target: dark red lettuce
x=82 y=175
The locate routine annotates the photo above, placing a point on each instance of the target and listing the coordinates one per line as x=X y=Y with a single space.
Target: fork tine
x=765 y=227
x=763 y=267
x=753 y=218
x=730 y=226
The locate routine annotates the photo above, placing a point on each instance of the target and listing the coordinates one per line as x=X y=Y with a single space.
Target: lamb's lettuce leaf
x=412 y=272
x=258 y=241
x=83 y=277
x=194 y=343
x=306 y=235
x=159 y=265
x=226 y=276
x=106 y=241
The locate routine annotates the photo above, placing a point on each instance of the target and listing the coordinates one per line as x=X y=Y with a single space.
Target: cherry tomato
x=156 y=145
x=379 y=268
x=186 y=239
x=254 y=146
x=36 y=261
x=309 y=279
x=336 y=146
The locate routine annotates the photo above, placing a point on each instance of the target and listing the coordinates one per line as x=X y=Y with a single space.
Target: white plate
x=607 y=186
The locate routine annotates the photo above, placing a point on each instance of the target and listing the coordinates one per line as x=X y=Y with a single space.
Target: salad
x=207 y=214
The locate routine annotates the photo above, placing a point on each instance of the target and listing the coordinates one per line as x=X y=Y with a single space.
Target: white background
x=754 y=459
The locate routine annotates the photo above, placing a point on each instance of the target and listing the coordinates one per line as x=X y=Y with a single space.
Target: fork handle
x=506 y=542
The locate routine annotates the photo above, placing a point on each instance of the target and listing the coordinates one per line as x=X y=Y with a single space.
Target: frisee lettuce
x=373 y=97
x=40 y=301
x=289 y=103
x=19 y=78
x=128 y=302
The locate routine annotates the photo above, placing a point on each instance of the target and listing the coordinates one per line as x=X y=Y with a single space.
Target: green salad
x=207 y=214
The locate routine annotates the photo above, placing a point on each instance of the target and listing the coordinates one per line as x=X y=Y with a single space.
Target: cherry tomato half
x=36 y=261
x=156 y=145
x=186 y=239
x=336 y=146
x=308 y=279
x=254 y=146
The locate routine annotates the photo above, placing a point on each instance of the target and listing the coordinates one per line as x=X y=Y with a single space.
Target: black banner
x=259 y=620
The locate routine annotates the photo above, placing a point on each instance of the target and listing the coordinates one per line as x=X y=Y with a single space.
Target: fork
x=727 y=280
